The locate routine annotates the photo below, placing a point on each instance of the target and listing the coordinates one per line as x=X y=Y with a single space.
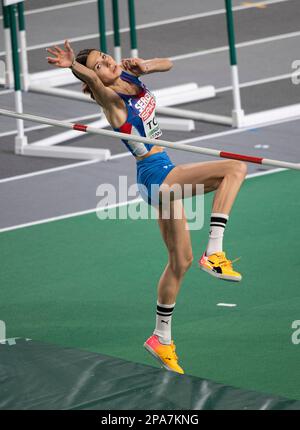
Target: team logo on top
x=146 y=108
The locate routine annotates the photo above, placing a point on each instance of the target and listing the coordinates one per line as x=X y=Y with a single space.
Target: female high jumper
x=129 y=107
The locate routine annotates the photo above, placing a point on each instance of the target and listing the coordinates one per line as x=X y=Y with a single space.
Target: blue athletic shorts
x=151 y=173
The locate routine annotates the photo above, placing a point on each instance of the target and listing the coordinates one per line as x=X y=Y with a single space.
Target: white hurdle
x=167 y=97
x=174 y=118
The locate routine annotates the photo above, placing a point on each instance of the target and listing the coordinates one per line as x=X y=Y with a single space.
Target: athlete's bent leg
x=224 y=177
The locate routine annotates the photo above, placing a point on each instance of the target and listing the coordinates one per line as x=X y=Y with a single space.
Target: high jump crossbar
x=159 y=142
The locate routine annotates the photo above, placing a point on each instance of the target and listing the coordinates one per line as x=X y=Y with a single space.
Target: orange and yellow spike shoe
x=217 y=265
x=165 y=354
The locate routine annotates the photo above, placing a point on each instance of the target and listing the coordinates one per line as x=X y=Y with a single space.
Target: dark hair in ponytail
x=81 y=58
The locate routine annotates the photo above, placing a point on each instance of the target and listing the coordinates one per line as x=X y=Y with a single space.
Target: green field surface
x=91 y=284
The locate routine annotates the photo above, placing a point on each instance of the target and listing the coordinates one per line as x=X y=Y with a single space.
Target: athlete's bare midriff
x=151 y=152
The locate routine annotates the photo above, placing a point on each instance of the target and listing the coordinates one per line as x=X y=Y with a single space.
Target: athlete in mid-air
x=129 y=107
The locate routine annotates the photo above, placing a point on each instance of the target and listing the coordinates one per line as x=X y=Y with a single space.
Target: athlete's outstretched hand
x=62 y=57
x=135 y=65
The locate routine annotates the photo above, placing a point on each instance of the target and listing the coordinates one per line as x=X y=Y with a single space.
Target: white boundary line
x=52 y=170
x=264 y=173
x=238 y=45
x=227 y=305
x=173 y=21
x=59 y=6
x=193 y=16
x=71 y=215
x=56 y=7
x=258 y=82
x=93 y=210
x=6 y=92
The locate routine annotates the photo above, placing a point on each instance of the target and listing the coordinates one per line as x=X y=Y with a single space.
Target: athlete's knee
x=181 y=265
x=238 y=168
x=242 y=168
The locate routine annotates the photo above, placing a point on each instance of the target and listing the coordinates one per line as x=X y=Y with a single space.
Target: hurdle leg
x=9 y=76
x=116 y=26
x=23 y=46
x=101 y=20
x=237 y=113
x=21 y=139
x=133 y=37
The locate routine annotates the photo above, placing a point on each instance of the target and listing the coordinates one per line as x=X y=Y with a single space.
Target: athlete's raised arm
x=65 y=58
x=139 y=67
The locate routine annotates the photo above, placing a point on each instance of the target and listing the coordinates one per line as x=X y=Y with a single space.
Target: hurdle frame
x=101 y=28
x=237 y=112
x=238 y=118
x=9 y=76
x=174 y=94
x=62 y=77
x=199 y=93
x=21 y=143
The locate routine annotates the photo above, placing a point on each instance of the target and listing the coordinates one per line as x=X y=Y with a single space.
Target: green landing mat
x=91 y=284
x=36 y=375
